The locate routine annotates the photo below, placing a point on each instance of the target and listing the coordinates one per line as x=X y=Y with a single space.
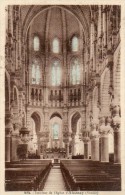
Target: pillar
x=38 y=141
x=86 y=141
x=117 y=134
x=105 y=128
x=15 y=140
x=95 y=149
x=94 y=143
x=7 y=146
x=67 y=150
x=8 y=129
x=72 y=149
x=117 y=149
x=92 y=40
x=86 y=150
x=104 y=25
x=99 y=22
x=104 y=149
x=73 y=145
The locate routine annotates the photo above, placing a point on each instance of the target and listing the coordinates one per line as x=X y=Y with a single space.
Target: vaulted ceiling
x=58 y=17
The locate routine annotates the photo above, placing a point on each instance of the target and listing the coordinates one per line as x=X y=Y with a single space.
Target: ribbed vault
x=79 y=12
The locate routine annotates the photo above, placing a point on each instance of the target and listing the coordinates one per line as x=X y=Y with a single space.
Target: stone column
x=94 y=143
x=15 y=140
x=99 y=22
x=117 y=134
x=104 y=25
x=105 y=128
x=67 y=149
x=86 y=149
x=43 y=140
x=7 y=145
x=38 y=141
x=73 y=143
x=86 y=141
x=8 y=130
x=67 y=140
x=92 y=39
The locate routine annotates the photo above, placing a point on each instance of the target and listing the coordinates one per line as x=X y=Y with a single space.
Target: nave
x=55 y=180
x=68 y=175
x=63 y=97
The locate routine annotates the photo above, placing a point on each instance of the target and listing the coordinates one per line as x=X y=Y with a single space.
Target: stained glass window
x=75 y=44
x=56 y=73
x=36 y=43
x=75 y=72
x=55 y=45
x=55 y=131
x=36 y=72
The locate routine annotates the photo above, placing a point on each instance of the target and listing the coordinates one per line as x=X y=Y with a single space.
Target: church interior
x=62 y=98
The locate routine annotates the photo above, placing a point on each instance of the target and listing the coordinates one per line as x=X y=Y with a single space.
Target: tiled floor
x=55 y=180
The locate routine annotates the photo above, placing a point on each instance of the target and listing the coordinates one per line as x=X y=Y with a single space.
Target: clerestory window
x=56 y=73
x=36 y=76
x=75 y=71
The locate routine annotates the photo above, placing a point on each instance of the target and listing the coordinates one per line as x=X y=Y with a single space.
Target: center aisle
x=55 y=180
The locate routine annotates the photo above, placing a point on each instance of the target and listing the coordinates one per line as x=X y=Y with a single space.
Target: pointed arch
x=56 y=114
x=74 y=120
x=35 y=116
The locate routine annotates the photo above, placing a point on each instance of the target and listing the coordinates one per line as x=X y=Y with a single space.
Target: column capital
x=94 y=124
x=105 y=128
x=8 y=124
x=116 y=119
x=72 y=135
x=86 y=137
x=67 y=136
x=94 y=134
x=24 y=133
x=44 y=136
x=67 y=144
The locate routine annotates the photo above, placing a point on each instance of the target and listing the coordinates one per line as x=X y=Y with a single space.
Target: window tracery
x=36 y=76
x=56 y=73
x=55 y=131
x=75 y=72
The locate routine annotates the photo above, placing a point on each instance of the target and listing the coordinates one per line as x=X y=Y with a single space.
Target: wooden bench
x=25 y=176
x=89 y=175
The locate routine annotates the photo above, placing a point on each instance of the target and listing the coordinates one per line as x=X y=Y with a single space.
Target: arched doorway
x=55 y=147
x=34 y=145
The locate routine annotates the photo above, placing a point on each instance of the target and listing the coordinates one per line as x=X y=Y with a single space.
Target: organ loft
x=62 y=88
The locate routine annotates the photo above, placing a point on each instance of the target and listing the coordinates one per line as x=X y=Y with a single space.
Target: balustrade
x=56 y=98
x=36 y=96
x=74 y=97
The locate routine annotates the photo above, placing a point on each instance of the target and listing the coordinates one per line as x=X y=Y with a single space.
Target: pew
x=92 y=176
x=26 y=175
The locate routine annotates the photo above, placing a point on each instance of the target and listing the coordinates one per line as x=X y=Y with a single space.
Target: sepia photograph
x=62 y=97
